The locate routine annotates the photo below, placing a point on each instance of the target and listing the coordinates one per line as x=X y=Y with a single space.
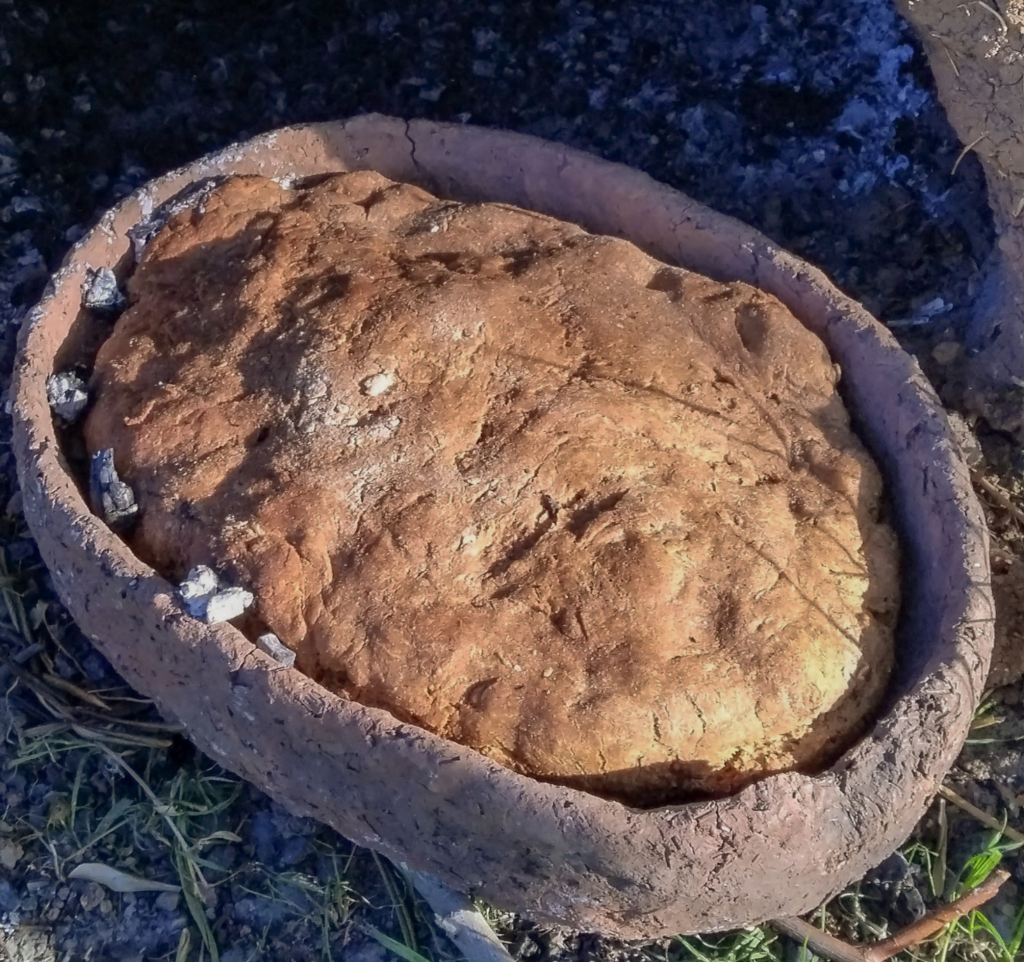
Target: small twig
x=939 y=868
x=29 y=652
x=829 y=947
x=981 y=815
x=997 y=494
x=82 y=694
x=936 y=920
x=821 y=943
x=952 y=62
x=963 y=153
x=1003 y=25
x=19 y=658
x=124 y=739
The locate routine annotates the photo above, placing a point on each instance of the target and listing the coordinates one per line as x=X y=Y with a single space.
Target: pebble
x=10 y=853
x=167 y=901
x=377 y=384
x=8 y=897
x=198 y=587
x=273 y=646
x=92 y=897
x=947 y=352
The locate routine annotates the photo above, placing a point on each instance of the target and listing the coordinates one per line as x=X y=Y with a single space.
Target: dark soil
x=813 y=120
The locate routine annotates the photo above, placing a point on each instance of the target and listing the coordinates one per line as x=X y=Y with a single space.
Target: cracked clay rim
x=553 y=854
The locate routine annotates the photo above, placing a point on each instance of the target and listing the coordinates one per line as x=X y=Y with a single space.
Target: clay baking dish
x=553 y=854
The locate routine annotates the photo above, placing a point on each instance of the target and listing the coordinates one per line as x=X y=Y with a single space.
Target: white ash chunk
x=199 y=586
x=112 y=499
x=227 y=604
x=377 y=384
x=272 y=645
x=100 y=292
x=207 y=598
x=67 y=395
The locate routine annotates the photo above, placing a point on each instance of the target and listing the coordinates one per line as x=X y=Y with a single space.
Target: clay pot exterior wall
x=553 y=854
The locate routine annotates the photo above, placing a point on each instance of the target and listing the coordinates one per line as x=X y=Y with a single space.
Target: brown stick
x=820 y=943
x=997 y=494
x=829 y=947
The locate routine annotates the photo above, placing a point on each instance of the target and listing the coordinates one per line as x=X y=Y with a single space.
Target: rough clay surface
x=549 y=852
x=604 y=520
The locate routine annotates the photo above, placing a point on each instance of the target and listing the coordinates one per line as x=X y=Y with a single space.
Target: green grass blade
x=981 y=921
x=978 y=868
x=392 y=945
x=184 y=944
x=196 y=908
x=1016 y=934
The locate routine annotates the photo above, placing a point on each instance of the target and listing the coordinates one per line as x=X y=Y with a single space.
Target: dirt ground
x=813 y=120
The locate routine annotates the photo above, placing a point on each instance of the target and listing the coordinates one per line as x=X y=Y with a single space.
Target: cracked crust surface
x=601 y=519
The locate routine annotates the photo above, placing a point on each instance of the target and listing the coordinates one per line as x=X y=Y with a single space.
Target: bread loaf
x=601 y=519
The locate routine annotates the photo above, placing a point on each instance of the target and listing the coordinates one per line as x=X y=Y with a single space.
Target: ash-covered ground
x=813 y=120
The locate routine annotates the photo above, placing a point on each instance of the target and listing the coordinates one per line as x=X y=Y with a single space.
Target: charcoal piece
x=112 y=499
x=101 y=294
x=67 y=395
x=273 y=646
x=192 y=197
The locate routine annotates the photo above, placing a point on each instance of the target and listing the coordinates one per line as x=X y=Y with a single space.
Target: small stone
x=100 y=292
x=92 y=897
x=227 y=604
x=67 y=395
x=10 y=852
x=26 y=204
x=112 y=499
x=946 y=352
x=273 y=646
x=167 y=901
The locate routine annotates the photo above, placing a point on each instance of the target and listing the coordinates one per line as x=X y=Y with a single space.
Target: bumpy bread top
x=600 y=519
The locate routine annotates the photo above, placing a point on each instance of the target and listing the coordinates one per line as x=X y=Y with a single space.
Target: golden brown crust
x=601 y=519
